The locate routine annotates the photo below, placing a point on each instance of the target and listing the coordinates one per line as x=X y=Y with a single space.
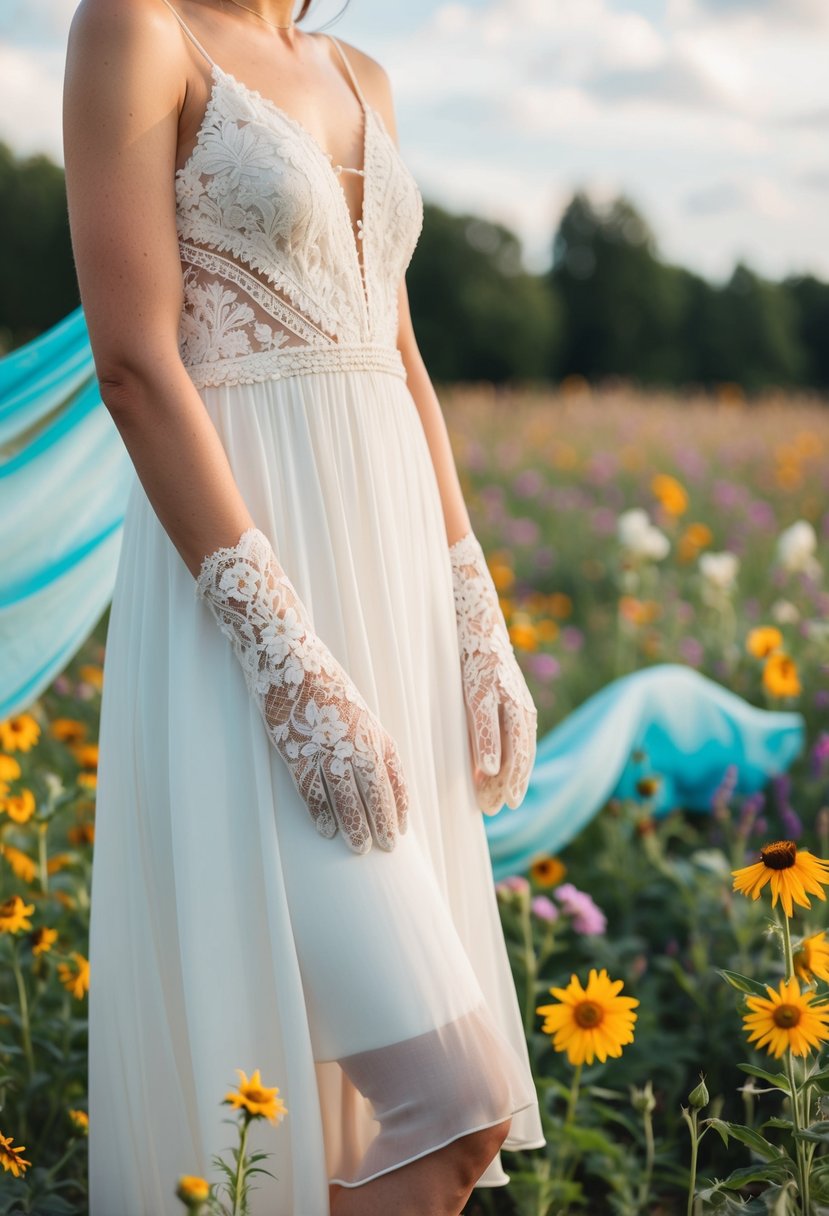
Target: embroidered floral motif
x=264 y=227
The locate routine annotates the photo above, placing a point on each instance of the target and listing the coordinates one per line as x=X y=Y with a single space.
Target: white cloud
x=31 y=93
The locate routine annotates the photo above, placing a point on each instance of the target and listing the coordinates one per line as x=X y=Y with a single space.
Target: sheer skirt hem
x=469 y=1131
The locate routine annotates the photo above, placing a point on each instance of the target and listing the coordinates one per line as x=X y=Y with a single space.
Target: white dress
x=226 y=933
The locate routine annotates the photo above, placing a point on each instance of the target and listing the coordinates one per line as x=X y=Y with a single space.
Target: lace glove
x=344 y=765
x=500 y=711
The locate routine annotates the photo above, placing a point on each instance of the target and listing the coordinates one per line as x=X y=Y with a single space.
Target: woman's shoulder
x=103 y=25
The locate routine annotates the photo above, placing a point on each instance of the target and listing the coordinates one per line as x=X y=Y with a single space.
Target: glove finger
x=518 y=746
x=311 y=787
x=529 y=743
x=486 y=734
x=378 y=800
x=399 y=788
x=347 y=805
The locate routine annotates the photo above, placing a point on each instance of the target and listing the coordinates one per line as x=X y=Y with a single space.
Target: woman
x=313 y=899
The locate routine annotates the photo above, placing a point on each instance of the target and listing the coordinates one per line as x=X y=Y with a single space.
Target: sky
x=712 y=116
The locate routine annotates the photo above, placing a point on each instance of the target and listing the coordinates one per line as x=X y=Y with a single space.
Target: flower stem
x=649 y=1159
x=692 y=1182
x=797 y=1123
x=24 y=1010
x=238 y=1209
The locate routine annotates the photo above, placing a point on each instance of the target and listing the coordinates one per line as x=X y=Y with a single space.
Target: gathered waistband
x=297 y=361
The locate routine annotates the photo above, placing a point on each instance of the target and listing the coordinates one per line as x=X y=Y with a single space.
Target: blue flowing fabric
x=65 y=476
x=690 y=730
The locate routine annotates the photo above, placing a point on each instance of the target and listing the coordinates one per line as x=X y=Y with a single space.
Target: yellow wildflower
x=19 y=733
x=763 y=641
x=43 y=939
x=258 y=1100
x=19 y=807
x=811 y=959
x=9 y=768
x=780 y=675
x=192 y=1190
x=10 y=1157
x=75 y=975
x=591 y=1021
x=788 y=1018
x=547 y=871
x=86 y=755
x=522 y=632
x=23 y=866
x=88 y=780
x=13 y=915
x=791 y=871
x=80 y=1119
x=671 y=494
x=68 y=730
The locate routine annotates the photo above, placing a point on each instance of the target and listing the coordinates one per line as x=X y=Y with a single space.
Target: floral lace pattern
x=345 y=767
x=265 y=235
x=500 y=710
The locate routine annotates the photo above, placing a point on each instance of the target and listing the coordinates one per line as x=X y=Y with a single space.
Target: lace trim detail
x=273 y=304
x=297 y=361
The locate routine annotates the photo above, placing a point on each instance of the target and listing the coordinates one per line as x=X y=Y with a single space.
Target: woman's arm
x=123 y=89
x=455 y=515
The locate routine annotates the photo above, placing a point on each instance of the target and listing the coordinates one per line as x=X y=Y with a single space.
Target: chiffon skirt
x=226 y=933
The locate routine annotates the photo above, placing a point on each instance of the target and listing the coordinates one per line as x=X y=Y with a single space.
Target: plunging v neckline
x=325 y=157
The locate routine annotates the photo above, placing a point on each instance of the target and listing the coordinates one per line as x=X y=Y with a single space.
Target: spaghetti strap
x=189 y=33
x=350 y=70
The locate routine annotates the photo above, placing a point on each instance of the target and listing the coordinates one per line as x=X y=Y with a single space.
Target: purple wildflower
x=544 y=908
x=587 y=917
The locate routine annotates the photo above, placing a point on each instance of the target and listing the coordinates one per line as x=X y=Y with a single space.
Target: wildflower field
x=672 y=969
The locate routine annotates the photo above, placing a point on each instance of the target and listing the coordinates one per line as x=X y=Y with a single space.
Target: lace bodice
x=275 y=279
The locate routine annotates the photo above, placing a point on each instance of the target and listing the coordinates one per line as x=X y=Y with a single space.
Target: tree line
x=609 y=304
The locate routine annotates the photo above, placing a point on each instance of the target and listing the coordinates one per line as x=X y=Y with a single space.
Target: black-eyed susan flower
x=780 y=676
x=792 y=873
x=68 y=730
x=74 y=975
x=591 y=1021
x=43 y=939
x=811 y=959
x=19 y=733
x=88 y=780
x=260 y=1101
x=547 y=871
x=19 y=807
x=10 y=1156
x=79 y=1119
x=192 y=1190
x=763 y=641
x=14 y=914
x=788 y=1018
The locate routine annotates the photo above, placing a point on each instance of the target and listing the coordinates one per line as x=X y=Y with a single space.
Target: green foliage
x=38 y=286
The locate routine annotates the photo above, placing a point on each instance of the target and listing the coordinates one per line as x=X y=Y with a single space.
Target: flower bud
x=699 y=1097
